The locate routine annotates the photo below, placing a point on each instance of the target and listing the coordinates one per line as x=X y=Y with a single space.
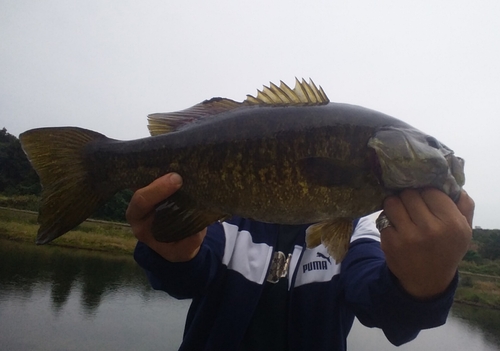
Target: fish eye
x=432 y=142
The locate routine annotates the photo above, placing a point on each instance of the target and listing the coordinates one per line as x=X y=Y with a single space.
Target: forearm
x=378 y=300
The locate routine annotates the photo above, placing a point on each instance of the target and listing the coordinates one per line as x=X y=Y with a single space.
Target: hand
x=428 y=238
x=140 y=215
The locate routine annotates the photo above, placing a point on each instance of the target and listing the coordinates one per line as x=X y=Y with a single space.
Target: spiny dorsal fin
x=161 y=123
x=303 y=94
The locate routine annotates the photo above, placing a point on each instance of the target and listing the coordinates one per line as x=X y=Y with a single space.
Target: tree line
x=20 y=186
x=486 y=245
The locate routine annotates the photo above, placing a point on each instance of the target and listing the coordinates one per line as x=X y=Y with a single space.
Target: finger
x=439 y=204
x=396 y=212
x=466 y=206
x=416 y=207
x=389 y=237
x=144 y=200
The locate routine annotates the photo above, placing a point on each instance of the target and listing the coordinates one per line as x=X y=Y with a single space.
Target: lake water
x=62 y=299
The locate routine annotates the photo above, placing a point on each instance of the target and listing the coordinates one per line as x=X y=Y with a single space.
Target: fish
x=286 y=156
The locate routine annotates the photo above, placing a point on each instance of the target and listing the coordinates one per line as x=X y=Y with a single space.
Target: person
x=401 y=279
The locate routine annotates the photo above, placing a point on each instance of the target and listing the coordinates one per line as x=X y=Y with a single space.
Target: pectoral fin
x=335 y=235
x=179 y=217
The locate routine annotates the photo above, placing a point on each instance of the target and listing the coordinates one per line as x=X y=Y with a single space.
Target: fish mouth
x=456 y=179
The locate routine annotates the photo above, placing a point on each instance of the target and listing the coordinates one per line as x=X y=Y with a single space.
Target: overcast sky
x=105 y=65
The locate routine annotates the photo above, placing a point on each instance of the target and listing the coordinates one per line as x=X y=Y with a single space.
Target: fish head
x=408 y=158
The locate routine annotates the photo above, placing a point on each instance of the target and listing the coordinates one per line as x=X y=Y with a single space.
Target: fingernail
x=175 y=179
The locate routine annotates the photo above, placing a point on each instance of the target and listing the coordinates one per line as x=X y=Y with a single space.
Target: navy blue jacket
x=226 y=278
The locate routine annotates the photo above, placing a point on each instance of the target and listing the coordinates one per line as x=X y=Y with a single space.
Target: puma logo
x=319 y=254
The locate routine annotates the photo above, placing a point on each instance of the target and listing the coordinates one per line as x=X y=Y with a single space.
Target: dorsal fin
x=303 y=94
x=161 y=123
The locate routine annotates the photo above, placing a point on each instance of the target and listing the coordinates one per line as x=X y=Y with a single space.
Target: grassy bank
x=479 y=284
x=92 y=235
x=479 y=290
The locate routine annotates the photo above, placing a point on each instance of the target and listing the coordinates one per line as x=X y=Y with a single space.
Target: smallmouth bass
x=287 y=156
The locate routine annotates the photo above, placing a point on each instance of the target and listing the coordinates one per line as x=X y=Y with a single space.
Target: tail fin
x=68 y=196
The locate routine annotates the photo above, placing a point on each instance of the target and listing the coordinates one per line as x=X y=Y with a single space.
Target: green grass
x=479 y=290
x=92 y=235
x=487 y=267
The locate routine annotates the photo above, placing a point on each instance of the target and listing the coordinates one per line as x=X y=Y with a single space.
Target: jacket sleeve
x=375 y=296
x=185 y=279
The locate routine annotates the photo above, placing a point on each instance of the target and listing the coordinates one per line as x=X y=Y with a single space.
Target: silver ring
x=383 y=222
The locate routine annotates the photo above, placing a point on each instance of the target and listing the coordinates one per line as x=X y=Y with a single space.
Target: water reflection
x=23 y=268
x=484 y=320
x=62 y=299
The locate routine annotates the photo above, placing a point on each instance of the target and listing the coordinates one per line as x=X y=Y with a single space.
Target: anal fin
x=179 y=217
x=334 y=234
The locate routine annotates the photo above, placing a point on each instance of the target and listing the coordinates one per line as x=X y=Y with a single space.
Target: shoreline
x=116 y=238
x=97 y=235
x=474 y=304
